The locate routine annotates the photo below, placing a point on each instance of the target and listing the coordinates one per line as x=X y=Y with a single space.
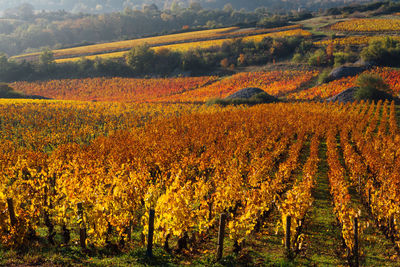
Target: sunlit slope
x=223 y=33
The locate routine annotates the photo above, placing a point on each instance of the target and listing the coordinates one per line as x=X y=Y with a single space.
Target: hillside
x=92 y=6
x=24 y=29
x=202 y=39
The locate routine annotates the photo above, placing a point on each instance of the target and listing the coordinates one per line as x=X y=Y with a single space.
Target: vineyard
x=202 y=39
x=276 y=83
x=171 y=159
x=258 y=166
x=285 y=84
x=367 y=25
x=113 y=89
x=192 y=89
x=355 y=40
x=186 y=46
x=130 y=43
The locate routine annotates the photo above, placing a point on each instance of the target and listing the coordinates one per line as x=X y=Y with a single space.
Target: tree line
x=142 y=61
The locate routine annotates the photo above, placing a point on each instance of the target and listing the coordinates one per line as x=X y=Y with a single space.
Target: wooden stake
x=149 y=251
x=183 y=242
x=355 y=249
x=221 y=235
x=130 y=231
x=82 y=228
x=50 y=228
x=391 y=227
x=66 y=234
x=13 y=219
x=369 y=197
x=287 y=235
x=166 y=244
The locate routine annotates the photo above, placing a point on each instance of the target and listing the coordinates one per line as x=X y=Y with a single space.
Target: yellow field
x=93 y=57
x=355 y=40
x=182 y=47
x=295 y=32
x=367 y=25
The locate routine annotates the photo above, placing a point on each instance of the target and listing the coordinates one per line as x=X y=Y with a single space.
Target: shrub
x=304 y=47
x=8 y=92
x=369 y=86
x=323 y=76
x=318 y=59
x=224 y=63
x=297 y=58
x=382 y=52
x=341 y=57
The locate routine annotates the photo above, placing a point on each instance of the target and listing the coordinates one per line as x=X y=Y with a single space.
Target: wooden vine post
x=13 y=219
x=82 y=228
x=66 y=234
x=369 y=198
x=50 y=227
x=150 y=235
x=356 y=245
x=391 y=227
x=287 y=235
x=221 y=235
x=130 y=230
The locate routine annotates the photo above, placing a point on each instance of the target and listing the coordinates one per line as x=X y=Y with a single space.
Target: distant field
x=289 y=84
x=155 y=41
x=201 y=44
x=367 y=25
x=112 y=89
x=196 y=89
x=355 y=40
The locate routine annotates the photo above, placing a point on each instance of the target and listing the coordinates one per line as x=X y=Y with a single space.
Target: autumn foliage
x=191 y=163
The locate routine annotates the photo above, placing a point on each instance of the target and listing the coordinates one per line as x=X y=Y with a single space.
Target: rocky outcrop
x=247 y=96
x=345 y=96
x=344 y=71
x=246 y=93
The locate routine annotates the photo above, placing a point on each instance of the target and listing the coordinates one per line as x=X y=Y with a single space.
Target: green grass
x=323 y=244
x=316 y=25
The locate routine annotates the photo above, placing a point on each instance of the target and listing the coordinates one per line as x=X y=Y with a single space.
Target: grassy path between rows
x=323 y=242
x=322 y=235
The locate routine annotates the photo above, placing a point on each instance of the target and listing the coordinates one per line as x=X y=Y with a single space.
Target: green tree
x=46 y=61
x=141 y=59
x=228 y=8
